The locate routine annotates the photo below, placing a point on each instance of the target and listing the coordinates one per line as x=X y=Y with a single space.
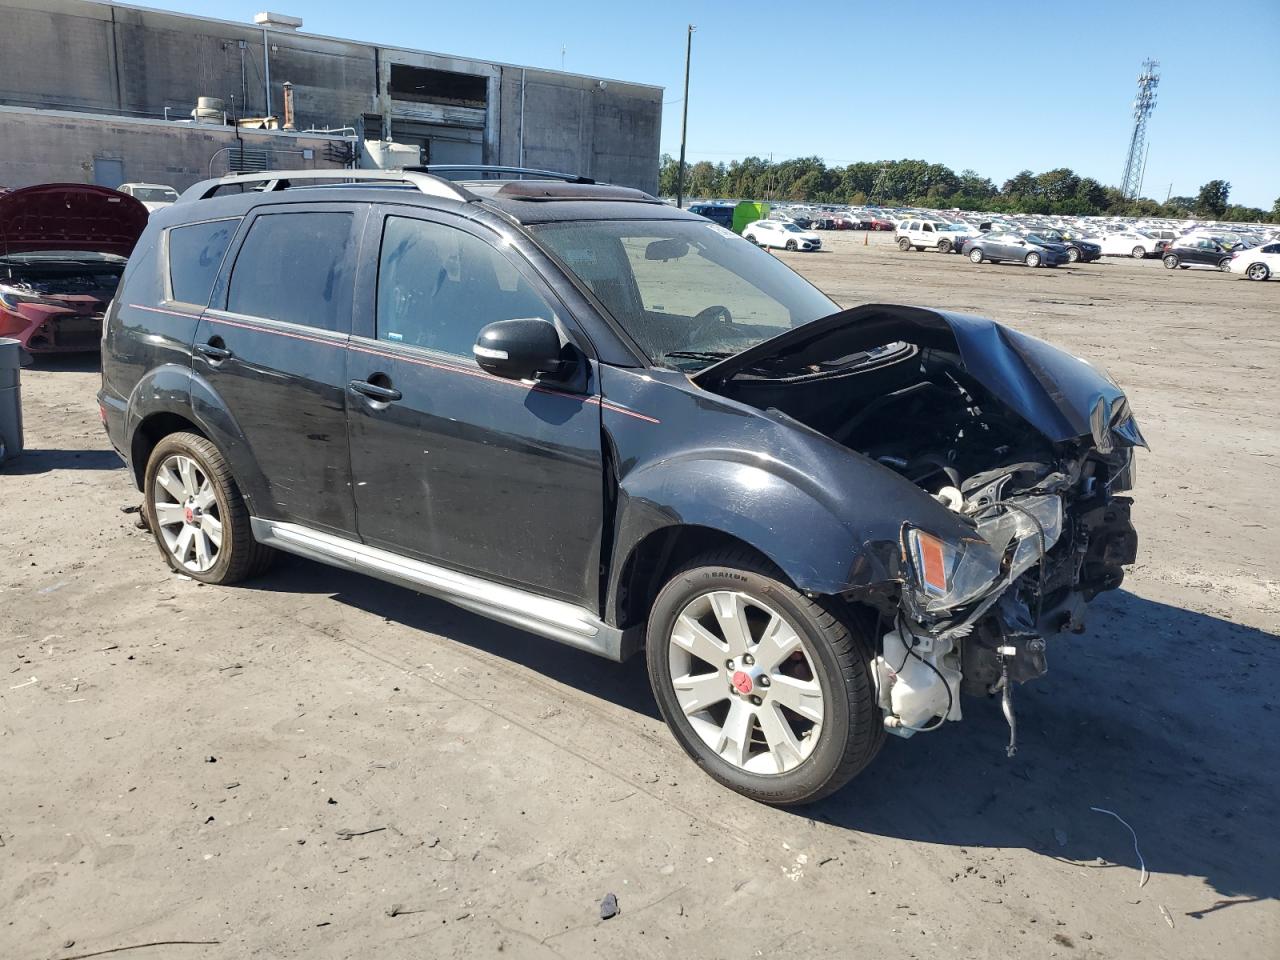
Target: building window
x=423 y=85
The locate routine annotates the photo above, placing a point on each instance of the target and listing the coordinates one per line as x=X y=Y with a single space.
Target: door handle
x=375 y=391
x=215 y=352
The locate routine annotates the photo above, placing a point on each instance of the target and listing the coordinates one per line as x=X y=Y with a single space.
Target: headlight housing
x=948 y=574
x=12 y=297
x=1011 y=540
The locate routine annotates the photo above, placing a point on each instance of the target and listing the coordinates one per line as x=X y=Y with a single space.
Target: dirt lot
x=178 y=762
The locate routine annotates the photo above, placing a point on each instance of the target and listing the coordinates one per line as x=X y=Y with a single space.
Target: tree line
x=919 y=183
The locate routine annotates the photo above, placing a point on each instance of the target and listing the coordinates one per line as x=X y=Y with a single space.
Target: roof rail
x=273 y=180
x=481 y=168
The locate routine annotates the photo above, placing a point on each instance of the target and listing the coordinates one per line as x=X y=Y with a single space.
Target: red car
x=63 y=247
x=879 y=223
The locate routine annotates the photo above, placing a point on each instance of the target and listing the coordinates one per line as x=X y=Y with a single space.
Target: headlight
x=948 y=574
x=1009 y=542
x=11 y=297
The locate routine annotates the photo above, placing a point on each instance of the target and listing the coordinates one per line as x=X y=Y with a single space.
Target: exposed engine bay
x=1035 y=485
x=56 y=303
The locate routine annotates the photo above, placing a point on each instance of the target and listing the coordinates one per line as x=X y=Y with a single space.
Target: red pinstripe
x=422 y=362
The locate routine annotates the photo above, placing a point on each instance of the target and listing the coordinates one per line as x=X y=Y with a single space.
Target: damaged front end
x=1027 y=447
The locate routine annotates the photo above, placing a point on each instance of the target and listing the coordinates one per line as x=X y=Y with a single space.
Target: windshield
x=154 y=194
x=689 y=293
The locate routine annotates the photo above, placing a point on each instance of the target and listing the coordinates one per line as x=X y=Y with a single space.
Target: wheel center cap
x=742 y=682
x=189 y=514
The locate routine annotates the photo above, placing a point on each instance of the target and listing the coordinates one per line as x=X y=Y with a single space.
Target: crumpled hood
x=1062 y=396
x=69 y=216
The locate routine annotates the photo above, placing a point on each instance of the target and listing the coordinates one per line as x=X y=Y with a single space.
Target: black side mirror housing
x=527 y=348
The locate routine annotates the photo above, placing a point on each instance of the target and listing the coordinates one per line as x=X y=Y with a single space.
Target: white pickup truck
x=933 y=235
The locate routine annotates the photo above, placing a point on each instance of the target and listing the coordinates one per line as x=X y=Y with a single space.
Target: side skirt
x=554 y=619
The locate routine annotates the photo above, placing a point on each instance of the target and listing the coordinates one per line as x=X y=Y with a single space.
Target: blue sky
x=1014 y=86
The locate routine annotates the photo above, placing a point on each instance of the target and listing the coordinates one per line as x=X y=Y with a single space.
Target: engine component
x=918 y=681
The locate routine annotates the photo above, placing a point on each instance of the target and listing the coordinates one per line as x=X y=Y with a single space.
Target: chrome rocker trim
x=554 y=619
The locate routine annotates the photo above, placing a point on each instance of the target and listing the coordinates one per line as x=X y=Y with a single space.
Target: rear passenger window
x=195 y=254
x=293 y=267
x=438 y=286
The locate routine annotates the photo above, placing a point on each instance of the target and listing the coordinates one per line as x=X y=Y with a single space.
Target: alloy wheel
x=1258 y=271
x=745 y=681
x=187 y=513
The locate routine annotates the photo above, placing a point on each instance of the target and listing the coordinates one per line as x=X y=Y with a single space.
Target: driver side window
x=438 y=286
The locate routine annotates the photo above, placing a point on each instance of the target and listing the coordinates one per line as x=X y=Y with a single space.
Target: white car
x=1257 y=263
x=933 y=235
x=1129 y=243
x=784 y=236
x=153 y=196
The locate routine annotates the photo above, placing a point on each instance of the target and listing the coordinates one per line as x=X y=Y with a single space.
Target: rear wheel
x=196 y=513
x=944 y=246
x=1171 y=262
x=1033 y=259
x=1138 y=253
x=768 y=691
x=904 y=244
x=1258 y=271
x=975 y=255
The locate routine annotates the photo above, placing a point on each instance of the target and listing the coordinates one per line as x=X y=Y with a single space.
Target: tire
x=904 y=244
x=791 y=245
x=1171 y=262
x=944 y=246
x=1073 y=255
x=1225 y=265
x=187 y=480
x=1032 y=259
x=830 y=655
x=975 y=255
x=750 y=238
x=1138 y=253
x=1258 y=271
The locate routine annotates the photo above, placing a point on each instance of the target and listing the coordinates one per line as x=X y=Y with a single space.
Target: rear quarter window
x=195 y=255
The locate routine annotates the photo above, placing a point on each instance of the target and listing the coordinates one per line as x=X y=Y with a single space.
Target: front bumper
x=44 y=331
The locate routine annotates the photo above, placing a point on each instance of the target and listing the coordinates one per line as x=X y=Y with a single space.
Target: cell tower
x=1143 y=106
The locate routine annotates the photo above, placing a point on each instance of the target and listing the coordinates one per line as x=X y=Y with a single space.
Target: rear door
x=272 y=349
x=495 y=477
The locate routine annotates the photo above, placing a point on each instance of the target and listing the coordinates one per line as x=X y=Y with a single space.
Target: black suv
x=579 y=410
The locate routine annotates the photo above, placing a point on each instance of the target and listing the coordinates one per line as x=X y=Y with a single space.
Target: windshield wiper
x=699 y=354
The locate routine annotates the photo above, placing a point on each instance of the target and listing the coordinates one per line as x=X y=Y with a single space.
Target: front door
x=495 y=477
x=272 y=347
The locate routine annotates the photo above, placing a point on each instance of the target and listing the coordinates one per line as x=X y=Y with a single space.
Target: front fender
x=178 y=390
x=829 y=518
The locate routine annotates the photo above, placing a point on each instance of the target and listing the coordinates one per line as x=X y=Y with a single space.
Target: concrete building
x=104 y=92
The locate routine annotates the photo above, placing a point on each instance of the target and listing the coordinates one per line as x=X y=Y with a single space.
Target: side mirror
x=521 y=349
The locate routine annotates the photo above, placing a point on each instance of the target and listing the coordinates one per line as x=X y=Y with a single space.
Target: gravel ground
x=188 y=763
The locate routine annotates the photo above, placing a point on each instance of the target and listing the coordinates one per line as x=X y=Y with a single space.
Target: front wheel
x=1033 y=259
x=768 y=691
x=1258 y=271
x=1073 y=255
x=791 y=245
x=1225 y=265
x=975 y=255
x=1171 y=262
x=195 y=512
x=904 y=244
x=1138 y=253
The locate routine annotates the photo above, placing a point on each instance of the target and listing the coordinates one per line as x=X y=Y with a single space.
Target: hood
x=1062 y=396
x=69 y=216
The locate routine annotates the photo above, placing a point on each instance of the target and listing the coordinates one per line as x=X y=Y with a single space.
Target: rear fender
x=173 y=389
